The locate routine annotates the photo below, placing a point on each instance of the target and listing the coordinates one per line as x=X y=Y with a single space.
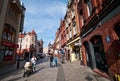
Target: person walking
x=56 y=60
x=33 y=61
x=51 y=60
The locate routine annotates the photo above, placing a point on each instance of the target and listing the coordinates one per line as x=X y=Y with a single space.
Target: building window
x=73 y=13
x=89 y=6
x=70 y=32
x=67 y=35
x=26 y=39
x=1 y=4
x=74 y=28
x=33 y=39
x=26 y=46
x=9 y=33
x=12 y=13
x=82 y=20
x=66 y=23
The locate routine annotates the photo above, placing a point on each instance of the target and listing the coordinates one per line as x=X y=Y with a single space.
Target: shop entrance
x=99 y=53
x=77 y=52
x=88 y=56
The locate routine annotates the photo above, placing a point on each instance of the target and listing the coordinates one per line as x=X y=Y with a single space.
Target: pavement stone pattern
x=64 y=72
x=43 y=73
x=60 y=74
x=11 y=68
x=76 y=72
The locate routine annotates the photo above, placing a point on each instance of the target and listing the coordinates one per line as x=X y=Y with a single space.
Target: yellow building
x=72 y=31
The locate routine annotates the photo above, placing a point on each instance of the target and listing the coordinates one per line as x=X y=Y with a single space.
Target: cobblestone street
x=64 y=72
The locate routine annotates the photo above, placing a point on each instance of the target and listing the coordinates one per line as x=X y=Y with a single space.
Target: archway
x=88 y=57
x=99 y=53
x=89 y=54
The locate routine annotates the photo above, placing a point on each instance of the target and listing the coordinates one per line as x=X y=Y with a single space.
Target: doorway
x=99 y=53
x=88 y=55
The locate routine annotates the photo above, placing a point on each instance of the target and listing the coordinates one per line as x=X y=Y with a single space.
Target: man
x=33 y=61
x=51 y=60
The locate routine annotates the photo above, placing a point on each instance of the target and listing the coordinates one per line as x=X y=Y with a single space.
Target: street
x=64 y=72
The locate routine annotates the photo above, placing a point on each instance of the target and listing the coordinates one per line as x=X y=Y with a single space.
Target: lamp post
x=18 y=60
x=20 y=30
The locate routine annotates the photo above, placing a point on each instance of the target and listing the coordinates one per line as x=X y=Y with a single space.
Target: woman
x=33 y=61
x=27 y=68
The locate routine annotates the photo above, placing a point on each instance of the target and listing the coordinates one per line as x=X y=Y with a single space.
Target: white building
x=28 y=45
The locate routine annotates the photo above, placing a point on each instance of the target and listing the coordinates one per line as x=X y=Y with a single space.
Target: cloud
x=44 y=17
x=46 y=8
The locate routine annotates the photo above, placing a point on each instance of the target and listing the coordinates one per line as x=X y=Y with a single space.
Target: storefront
x=7 y=51
x=74 y=49
x=8 y=45
x=101 y=48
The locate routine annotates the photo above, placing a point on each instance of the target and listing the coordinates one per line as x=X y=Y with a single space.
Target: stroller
x=28 y=69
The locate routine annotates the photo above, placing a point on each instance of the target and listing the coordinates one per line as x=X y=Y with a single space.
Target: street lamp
x=21 y=29
x=18 y=60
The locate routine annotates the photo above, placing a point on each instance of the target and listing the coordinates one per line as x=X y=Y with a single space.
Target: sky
x=44 y=17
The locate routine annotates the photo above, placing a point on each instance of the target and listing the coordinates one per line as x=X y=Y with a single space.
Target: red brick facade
x=100 y=26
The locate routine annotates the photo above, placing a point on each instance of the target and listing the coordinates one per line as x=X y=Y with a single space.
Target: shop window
x=6 y=53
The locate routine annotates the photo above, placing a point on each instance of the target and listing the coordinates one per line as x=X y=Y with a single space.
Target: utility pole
x=18 y=60
x=21 y=30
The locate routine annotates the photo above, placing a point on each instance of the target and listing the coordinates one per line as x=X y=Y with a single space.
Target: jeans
x=51 y=64
x=56 y=63
x=34 y=66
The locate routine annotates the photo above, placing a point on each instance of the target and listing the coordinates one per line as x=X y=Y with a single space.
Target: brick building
x=100 y=34
x=95 y=24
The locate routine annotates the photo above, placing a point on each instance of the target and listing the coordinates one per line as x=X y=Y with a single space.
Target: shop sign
x=108 y=39
x=4 y=43
x=78 y=44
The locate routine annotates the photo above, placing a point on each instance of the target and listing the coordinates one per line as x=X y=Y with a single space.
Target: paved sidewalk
x=13 y=67
x=64 y=72
x=10 y=68
x=43 y=73
x=76 y=72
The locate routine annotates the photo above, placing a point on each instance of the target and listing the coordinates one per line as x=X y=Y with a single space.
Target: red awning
x=10 y=44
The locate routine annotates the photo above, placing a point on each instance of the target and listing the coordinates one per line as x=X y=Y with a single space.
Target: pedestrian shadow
x=42 y=60
x=88 y=78
x=15 y=79
x=38 y=70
